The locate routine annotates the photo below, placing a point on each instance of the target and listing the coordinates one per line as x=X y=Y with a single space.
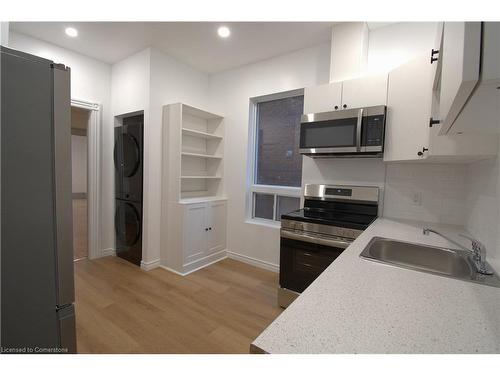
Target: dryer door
x=127 y=225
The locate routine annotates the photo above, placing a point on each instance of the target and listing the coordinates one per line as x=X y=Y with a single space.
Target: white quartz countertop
x=360 y=306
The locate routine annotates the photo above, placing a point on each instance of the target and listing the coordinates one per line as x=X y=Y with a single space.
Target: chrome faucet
x=478 y=249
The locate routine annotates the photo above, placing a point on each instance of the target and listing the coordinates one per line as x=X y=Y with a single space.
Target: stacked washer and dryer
x=128 y=158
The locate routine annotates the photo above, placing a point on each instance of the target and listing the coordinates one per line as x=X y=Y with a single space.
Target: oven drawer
x=313 y=262
x=302 y=262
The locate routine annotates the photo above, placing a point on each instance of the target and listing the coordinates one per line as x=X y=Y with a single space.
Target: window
x=277 y=163
x=278 y=128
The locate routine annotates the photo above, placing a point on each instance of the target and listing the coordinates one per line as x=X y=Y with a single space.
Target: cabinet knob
x=210 y=228
x=336 y=107
x=344 y=106
x=421 y=153
x=206 y=229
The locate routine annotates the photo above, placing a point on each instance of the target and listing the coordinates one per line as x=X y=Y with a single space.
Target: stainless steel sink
x=452 y=263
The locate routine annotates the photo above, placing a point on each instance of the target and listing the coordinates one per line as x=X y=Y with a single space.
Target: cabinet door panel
x=437 y=65
x=217 y=226
x=460 y=68
x=364 y=92
x=322 y=98
x=195 y=233
x=408 y=110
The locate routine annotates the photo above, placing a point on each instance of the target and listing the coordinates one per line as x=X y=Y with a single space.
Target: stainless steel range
x=314 y=236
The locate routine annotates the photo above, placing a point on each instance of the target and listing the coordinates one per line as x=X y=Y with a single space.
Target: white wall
x=229 y=94
x=130 y=84
x=349 y=50
x=90 y=81
x=4 y=34
x=146 y=81
x=441 y=190
x=130 y=92
x=171 y=82
x=79 y=163
x=393 y=45
x=483 y=205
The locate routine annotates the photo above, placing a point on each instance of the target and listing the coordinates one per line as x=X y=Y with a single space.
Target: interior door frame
x=93 y=175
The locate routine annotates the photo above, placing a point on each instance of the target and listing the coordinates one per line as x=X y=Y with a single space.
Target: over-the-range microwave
x=346 y=133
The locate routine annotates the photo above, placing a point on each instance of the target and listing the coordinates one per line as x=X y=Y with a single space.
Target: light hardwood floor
x=219 y=309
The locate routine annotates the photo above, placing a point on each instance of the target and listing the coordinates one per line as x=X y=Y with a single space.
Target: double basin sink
x=457 y=264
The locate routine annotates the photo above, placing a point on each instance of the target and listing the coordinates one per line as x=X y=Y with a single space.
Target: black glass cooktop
x=341 y=214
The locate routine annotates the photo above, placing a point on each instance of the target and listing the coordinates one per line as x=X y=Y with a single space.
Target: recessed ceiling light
x=223 y=32
x=71 y=31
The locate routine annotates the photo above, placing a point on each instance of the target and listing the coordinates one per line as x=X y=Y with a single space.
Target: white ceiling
x=195 y=43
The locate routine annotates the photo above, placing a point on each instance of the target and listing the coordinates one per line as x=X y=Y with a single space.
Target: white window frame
x=252 y=187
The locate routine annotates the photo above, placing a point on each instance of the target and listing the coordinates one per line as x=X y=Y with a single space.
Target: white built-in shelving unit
x=193 y=152
x=193 y=202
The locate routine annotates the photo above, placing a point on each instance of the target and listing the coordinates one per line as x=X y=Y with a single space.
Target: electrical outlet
x=416 y=198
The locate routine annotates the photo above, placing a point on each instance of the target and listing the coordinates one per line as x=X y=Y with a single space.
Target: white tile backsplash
x=441 y=188
x=483 y=205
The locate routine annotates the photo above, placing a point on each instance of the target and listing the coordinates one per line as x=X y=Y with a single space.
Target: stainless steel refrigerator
x=37 y=282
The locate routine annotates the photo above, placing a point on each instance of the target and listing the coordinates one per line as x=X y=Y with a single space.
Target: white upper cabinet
x=355 y=93
x=460 y=66
x=408 y=110
x=410 y=106
x=323 y=98
x=481 y=112
x=364 y=92
x=435 y=61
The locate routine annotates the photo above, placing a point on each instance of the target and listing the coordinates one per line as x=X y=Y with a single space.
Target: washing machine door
x=127 y=154
x=127 y=226
x=128 y=162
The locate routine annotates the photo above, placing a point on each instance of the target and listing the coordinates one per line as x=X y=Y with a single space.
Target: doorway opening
x=80 y=118
x=86 y=155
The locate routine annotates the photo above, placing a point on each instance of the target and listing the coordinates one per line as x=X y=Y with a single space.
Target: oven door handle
x=314 y=239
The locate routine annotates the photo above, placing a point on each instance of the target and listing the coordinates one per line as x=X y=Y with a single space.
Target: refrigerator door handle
x=62 y=181
x=67 y=329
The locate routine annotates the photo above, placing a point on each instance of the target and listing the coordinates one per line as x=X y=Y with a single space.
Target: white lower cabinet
x=195 y=232
x=204 y=230
x=216 y=226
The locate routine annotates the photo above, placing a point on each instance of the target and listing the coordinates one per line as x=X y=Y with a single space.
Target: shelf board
x=193 y=111
x=201 y=177
x=207 y=198
x=201 y=155
x=199 y=134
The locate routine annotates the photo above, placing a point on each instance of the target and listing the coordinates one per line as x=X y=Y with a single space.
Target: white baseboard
x=199 y=264
x=107 y=252
x=254 y=262
x=148 y=266
x=172 y=270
